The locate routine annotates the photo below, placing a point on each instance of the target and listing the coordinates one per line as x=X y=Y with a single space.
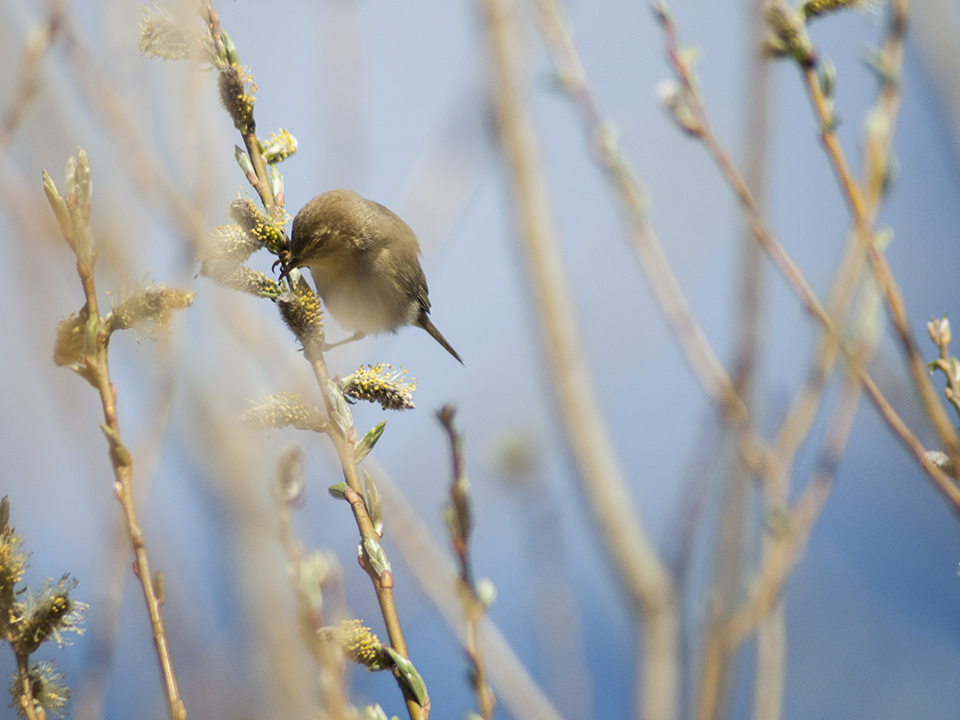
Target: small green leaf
x=243 y=160
x=233 y=57
x=116 y=445
x=375 y=555
x=342 y=416
x=59 y=208
x=275 y=179
x=366 y=443
x=374 y=503
x=409 y=676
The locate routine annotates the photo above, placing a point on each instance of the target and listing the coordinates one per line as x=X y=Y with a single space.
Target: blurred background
x=392 y=100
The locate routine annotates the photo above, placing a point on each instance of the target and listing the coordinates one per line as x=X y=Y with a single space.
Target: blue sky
x=389 y=100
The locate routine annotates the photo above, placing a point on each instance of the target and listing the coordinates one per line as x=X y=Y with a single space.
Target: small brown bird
x=365 y=263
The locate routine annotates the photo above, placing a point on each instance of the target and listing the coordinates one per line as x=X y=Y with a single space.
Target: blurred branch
x=309 y=575
x=862 y=212
x=791 y=272
x=729 y=568
x=38 y=43
x=784 y=547
x=98 y=662
x=641 y=571
x=756 y=147
x=689 y=111
x=790 y=540
x=771 y=662
x=673 y=304
x=129 y=137
x=935 y=24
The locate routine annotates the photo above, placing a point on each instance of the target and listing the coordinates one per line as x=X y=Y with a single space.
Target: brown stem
x=383 y=585
x=122 y=462
x=262 y=185
x=31 y=709
x=96 y=362
x=473 y=609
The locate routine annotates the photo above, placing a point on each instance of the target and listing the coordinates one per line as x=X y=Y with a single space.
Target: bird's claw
x=283 y=261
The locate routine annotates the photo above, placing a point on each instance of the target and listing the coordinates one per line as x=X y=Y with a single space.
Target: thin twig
x=781 y=554
x=516 y=690
x=813 y=306
x=460 y=525
x=878 y=261
x=248 y=133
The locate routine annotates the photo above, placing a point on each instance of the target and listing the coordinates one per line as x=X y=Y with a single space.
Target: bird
x=365 y=262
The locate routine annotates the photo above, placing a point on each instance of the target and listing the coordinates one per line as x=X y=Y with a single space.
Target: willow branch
x=343 y=442
x=96 y=362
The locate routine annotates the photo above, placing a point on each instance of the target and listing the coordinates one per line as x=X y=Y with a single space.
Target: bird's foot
x=356 y=336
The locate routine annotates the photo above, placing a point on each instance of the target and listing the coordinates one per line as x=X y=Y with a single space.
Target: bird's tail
x=424 y=322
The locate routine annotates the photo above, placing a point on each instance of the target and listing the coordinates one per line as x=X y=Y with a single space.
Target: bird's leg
x=356 y=336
